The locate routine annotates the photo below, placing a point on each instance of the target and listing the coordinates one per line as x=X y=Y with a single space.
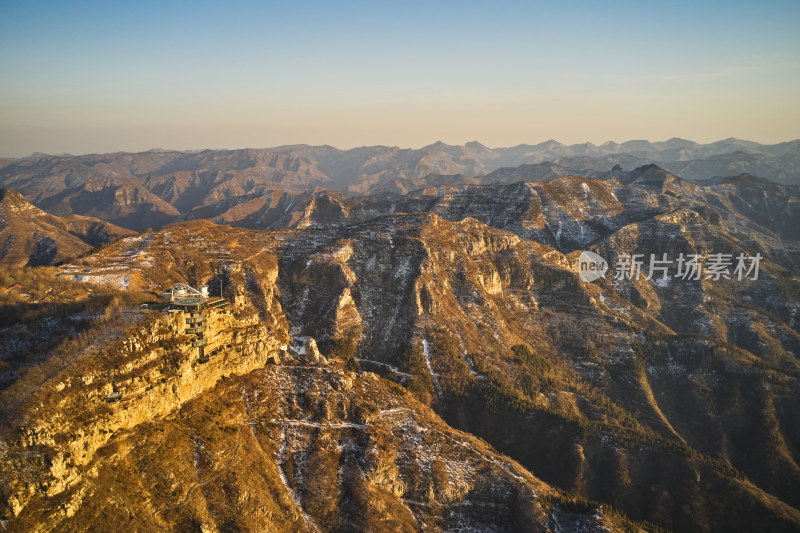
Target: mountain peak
x=11 y=199
x=475 y=145
x=438 y=145
x=741 y=180
x=550 y=143
x=651 y=170
x=7 y=195
x=638 y=144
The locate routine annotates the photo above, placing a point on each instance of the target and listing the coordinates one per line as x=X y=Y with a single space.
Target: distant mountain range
x=150 y=189
x=454 y=274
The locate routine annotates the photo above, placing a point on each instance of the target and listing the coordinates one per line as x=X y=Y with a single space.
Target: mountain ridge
x=32 y=237
x=162 y=187
x=167 y=184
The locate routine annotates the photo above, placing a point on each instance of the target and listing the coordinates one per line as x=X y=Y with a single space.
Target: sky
x=92 y=77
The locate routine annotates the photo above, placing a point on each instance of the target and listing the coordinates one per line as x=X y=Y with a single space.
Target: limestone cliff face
x=318 y=449
x=148 y=374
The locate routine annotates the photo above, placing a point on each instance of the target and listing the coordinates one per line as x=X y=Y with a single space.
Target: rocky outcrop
x=153 y=371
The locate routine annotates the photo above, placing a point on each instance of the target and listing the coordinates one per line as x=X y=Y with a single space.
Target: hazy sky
x=105 y=76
